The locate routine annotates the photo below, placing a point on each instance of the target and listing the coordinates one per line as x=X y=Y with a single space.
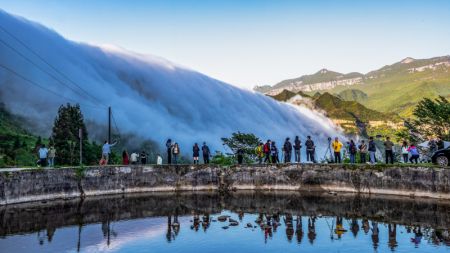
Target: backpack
x=266 y=148
x=353 y=149
x=297 y=144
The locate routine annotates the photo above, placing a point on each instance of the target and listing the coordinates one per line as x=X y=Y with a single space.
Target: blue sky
x=249 y=43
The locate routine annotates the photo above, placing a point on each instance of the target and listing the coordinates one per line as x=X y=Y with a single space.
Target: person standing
x=175 y=152
x=310 y=149
x=432 y=145
x=51 y=156
x=414 y=153
x=240 y=155
x=259 y=151
x=362 y=151
x=169 y=151
x=352 y=150
x=106 y=150
x=159 y=159
x=195 y=153
x=297 y=147
x=274 y=152
x=405 y=152
x=143 y=156
x=372 y=150
x=337 y=146
x=388 y=145
x=134 y=158
x=267 y=148
x=287 y=150
x=125 y=158
x=440 y=143
x=43 y=152
x=206 y=153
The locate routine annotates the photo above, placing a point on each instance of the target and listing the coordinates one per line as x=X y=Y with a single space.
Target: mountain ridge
x=392 y=88
x=325 y=75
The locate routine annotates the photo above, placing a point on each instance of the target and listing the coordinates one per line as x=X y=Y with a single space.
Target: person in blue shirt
x=106 y=150
x=414 y=153
x=43 y=152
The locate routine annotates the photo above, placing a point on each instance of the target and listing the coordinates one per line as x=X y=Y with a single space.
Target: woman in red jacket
x=125 y=158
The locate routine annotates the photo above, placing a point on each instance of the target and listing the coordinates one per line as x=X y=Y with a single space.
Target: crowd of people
x=268 y=152
x=338 y=151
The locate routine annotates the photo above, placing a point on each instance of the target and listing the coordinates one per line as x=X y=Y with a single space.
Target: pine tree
x=65 y=134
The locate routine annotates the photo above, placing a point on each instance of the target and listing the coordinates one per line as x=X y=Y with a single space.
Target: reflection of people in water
x=299 y=229
x=288 y=221
x=41 y=237
x=312 y=229
x=441 y=236
x=276 y=221
x=196 y=222
x=169 y=235
x=176 y=224
x=375 y=234
x=355 y=227
x=241 y=215
x=267 y=232
x=417 y=236
x=392 y=236
x=365 y=226
x=205 y=221
x=339 y=227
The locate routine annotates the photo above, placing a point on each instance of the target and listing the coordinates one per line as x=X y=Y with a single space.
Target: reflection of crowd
x=268 y=223
x=173 y=227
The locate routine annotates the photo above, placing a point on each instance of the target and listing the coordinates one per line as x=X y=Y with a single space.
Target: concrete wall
x=43 y=184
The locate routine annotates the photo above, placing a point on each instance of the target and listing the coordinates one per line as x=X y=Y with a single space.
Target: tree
x=432 y=118
x=65 y=134
x=246 y=142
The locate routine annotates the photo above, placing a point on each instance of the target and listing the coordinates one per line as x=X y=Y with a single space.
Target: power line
x=43 y=87
x=48 y=64
x=37 y=66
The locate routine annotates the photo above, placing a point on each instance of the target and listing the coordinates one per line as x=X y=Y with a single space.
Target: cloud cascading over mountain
x=150 y=97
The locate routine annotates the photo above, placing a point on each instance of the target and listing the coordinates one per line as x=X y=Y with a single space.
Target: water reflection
x=389 y=223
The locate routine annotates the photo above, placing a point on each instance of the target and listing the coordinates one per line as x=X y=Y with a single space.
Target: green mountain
x=353 y=95
x=352 y=116
x=337 y=108
x=395 y=88
x=285 y=95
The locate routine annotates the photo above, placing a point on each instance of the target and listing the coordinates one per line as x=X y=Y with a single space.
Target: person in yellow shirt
x=260 y=152
x=337 y=145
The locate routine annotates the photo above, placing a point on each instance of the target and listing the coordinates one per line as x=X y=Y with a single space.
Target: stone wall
x=42 y=184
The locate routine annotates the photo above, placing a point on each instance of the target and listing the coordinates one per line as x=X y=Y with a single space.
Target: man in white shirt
x=43 y=152
x=134 y=158
x=159 y=159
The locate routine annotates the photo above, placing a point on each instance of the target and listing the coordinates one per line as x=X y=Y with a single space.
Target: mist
x=150 y=96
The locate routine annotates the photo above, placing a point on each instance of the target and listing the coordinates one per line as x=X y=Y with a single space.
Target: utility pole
x=80 y=135
x=109 y=125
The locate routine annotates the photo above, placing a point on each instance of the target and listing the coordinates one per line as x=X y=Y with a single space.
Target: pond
x=240 y=222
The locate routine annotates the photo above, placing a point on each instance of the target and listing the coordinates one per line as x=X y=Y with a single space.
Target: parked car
x=441 y=157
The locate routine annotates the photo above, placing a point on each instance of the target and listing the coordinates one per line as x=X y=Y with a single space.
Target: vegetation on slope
x=353 y=95
x=17 y=146
x=395 y=88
